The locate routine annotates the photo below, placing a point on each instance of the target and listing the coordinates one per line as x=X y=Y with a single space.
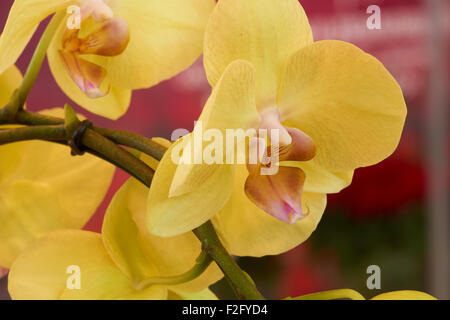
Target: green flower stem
x=332 y=295
x=202 y=263
x=95 y=143
x=135 y=141
x=102 y=143
x=20 y=96
x=109 y=150
x=32 y=133
x=35 y=119
x=240 y=281
x=125 y=138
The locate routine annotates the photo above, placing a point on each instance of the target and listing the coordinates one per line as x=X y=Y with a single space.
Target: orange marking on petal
x=110 y=40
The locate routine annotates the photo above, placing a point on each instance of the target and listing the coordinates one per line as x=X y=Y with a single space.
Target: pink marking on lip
x=279 y=195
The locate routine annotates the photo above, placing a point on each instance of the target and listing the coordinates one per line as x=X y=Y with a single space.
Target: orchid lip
x=279 y=195
x=293 y=216
x=86 y=75
x=279 y=192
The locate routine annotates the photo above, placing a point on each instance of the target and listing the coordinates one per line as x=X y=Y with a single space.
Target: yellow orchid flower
x=354 y=295
x=404 y=295
x=121 y=45
x=42 y=187
x=335 y=107
x=115 y=264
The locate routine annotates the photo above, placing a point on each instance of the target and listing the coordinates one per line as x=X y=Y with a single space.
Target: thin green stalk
x=202 y=263
x=20 y=96
x=241 y=281
x=125 y=138
x=32 y=133
x=95 y=143
x=134 y=141
x=108 y=149
x=100 y=156
x=35 y=119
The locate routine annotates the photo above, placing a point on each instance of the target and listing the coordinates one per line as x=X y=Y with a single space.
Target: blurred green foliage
x=394 y=242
